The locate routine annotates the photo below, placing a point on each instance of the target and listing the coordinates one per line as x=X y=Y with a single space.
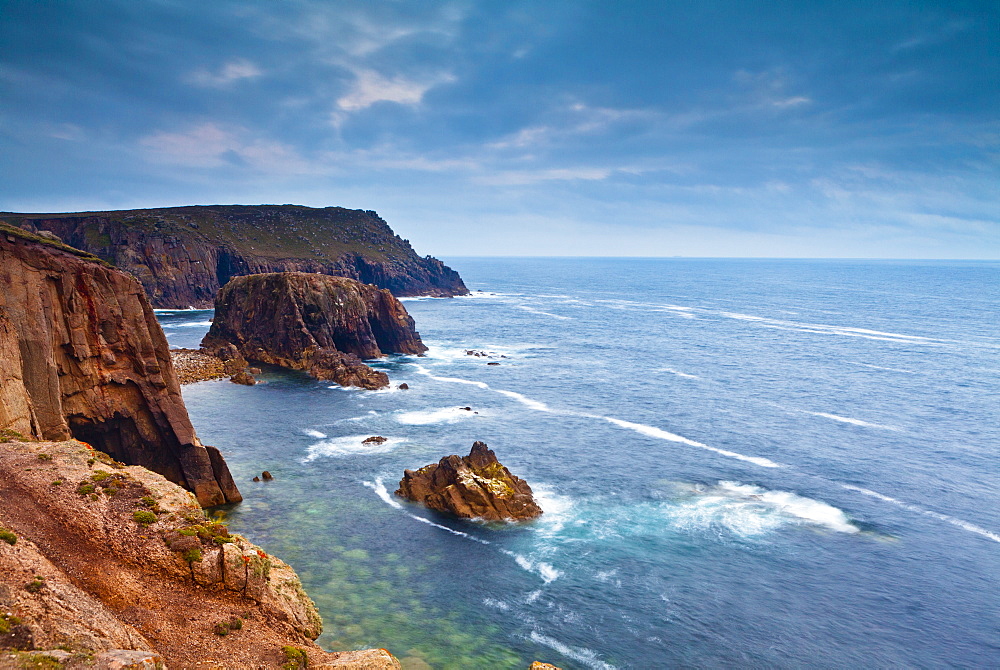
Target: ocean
x=742 y=463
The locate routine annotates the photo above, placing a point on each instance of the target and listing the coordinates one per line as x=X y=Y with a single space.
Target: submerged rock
x=317 y=323
x=375 y=439
x=476 y=486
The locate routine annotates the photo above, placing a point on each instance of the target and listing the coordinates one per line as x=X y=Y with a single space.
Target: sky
x=542 y=127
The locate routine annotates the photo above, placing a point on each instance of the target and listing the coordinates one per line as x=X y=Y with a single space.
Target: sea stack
x=476 y=486
x=321 y=324
x=82 y=356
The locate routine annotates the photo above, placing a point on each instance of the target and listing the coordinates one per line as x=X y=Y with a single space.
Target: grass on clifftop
x=14 y=231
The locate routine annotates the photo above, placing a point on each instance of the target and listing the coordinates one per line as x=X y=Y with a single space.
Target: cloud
x=227 y=74
x=210 y=146
x=371 y=87
x=526 y=177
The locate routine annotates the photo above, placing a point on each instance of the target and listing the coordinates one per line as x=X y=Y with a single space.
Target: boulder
x=374 y=439
x=476 y=486
x=317 y=323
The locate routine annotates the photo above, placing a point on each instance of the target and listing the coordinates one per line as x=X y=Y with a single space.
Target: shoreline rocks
x=317 y=323
x=476 y=486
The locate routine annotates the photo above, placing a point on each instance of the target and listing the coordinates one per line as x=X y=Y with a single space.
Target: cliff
x=312 y=322
x=81 y=355
x=183 y=255
x=476 y=486
x=96 y=556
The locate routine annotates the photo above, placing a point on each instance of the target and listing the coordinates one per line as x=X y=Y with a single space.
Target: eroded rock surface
x=183 y=255
x=82 y=355
x=125 y=560
x=476 y=486
x=317 y=323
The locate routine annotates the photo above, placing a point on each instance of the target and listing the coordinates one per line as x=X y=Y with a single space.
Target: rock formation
x=183 y=255
x=324 y=325
x=107 y=558
x=476 y=486
x=81 y=355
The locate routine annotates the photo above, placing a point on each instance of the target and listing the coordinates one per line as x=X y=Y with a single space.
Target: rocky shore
x=97 y=556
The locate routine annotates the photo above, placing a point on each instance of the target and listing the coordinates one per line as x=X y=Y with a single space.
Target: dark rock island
x=476 y=486
x=82 y=356
x=183 y=255
x=321 y=324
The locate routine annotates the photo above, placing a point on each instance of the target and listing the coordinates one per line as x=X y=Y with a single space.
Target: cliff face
x=183 y=255
x=312 y=322
x=81 y=355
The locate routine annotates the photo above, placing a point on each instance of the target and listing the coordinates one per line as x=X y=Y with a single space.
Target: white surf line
x=679 y=373
x=587 y=657
x=520 y=397
x=879 y=367
x=853 y=422
x=538 y=311
x=379 y=488
x=965 y=525
x=826 y=329
x=652 y=431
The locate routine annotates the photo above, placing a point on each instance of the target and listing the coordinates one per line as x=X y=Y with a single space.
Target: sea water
x=742 y=464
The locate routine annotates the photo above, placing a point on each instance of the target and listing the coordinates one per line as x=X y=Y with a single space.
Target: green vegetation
x=44 y=457
x=56 y=482
x=8 y=435
x=295 y=658
x=37 y=661
x=8 y=537
x=144 y=517
x=8 y=621
x=7 y=229
x=192 y=555
x=84 y=489
x=35 y=586
x=100 y=476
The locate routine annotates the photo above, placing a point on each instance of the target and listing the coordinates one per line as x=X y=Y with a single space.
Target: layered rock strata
x=102 y=556
x=183 y=255
x=476 y=486
x=317 y=323
x=82 y=355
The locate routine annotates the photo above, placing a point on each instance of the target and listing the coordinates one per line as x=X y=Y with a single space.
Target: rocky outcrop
x=110 y=557
x=476 y=486
x=324 y=325
x=183 y=255
x=81 y=355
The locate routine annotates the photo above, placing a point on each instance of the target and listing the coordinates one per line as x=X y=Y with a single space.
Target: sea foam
x=350 y=445
x=433 y=416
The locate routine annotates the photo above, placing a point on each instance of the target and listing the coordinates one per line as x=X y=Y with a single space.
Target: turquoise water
x=742 y=463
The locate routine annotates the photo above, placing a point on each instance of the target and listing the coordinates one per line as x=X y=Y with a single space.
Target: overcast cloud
x=531 y=128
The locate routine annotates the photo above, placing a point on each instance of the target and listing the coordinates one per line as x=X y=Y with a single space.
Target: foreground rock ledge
x=476 y=486
x=109 y=557
x=317 y=323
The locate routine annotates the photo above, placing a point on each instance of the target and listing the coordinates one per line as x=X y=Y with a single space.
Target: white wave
x=826 y=329
x=185 y=309
x=314 y=433
x=792 y=505
x=479 y=295
x=587 y=657
x=187 y=324
x=533 y=596
x=652 y=431
x=879 y=367
x=350 y=445
x=679 y=373
x=528 y=402
x=432 y=416
x=557 y=510
x=853 y=422
x=379 y=488
x=538 y=311
x=543 y=570
x=964 y=525
x=496 y=604
x=451 y=380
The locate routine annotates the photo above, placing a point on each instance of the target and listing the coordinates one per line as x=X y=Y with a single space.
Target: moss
x=100 y=476
x=37 y=661
x=144 y=517
x=44 y=457
x=8 y=537
x=295 y=658
x=148 y=501
x=36 y=585
x=192 y=555
x=8 y=621
x=8 y=435
x=221 y=629
x=84 y=489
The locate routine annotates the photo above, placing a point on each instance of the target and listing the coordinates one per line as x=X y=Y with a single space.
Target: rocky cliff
x=81 y=355
x=183 y=255
x=476 y=486
x=312 y=322
x=96 y=557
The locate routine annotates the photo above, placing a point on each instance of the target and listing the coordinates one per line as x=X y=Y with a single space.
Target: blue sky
x=803 y=129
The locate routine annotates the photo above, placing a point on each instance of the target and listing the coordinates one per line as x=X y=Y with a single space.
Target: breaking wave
x=350 y=445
